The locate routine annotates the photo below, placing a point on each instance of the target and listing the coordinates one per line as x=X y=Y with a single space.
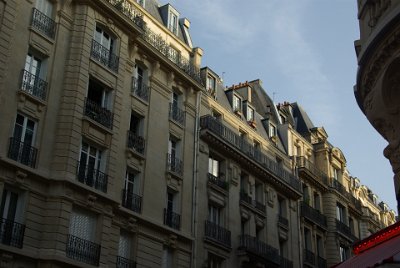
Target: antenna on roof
x=273 y=96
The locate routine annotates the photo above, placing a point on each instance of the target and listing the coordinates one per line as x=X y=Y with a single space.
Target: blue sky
x=303 y=52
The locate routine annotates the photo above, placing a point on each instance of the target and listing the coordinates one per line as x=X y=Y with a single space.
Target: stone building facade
x=377 y=78
x=118 y=149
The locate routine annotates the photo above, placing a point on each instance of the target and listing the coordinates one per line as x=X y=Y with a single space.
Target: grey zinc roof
x=303 y=123
x=153 y=7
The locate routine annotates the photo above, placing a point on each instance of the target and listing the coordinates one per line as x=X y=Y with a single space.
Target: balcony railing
x=176 y=114
x=33 y=85
x=83 y=250
x=309 y=257
x=357 y=203
x=99 y=114
x=129 y=10
x=12 y=233
x=285 y=263
x=245 y=198
x=43 y=23
x=157 y=41
x=345 y=230
x=174 y=165
x=172 y=219
x=104 y=56
x=255 y=246
x=218 y=233
x=321 y=262
x=139 y=89
x=92 y=177
x=217 y=181
x=313 y=214
x=125 y=263
x=229 y=136
x=136 y=142
x=282 y=220
x=22 y=152
x=303 y=162
x=259 y=205
x=339 y=187
x=131 y=201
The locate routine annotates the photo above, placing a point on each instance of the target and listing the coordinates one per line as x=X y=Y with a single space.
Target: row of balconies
x=310 y=259
x=230 y=137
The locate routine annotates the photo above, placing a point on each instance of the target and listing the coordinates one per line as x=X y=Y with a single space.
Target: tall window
x=343 y=253
x=103 y=49
x=173 y=22
x=82 y=234
x=105 y=40
x=131 y=198
x=124 y=248
x=272 y=130
x=132 y=184
x=98 y=103
x=250 y=114
x=320 y=246
x=167 y=258
x=135 y=133
x=21 y=144
x=24 y=130
x=282 y=209
x=91 y=167
x=45 y=6
x=340 y=212
x=213 y=166
x=236 y=103
x=214 y=261
x=307 y=239
x=317 y=201
x=215 y=215
x=335 y=173
x=33 y=75
x=11 y=229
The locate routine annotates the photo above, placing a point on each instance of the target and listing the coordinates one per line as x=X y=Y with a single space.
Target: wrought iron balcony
x=303 y=162
x=99 y=114
x=176 y=114
x=125 y=263
x=321 y=262
x=172 y=219
x=43 y=23
x=136 y=142
x=245 y=198
x=259 y=205
x=342 y=228
x=355 y=202
x=104 y=56
x=217 y=181
x=309 y=257
x=340 y=188
x=139 y=89
x=218 y=233
x=174 y=165
x=161 y=45
x=33 y=85
x=230 y=137
x=255 y=246
x=129 y=10
x=282 y=220
x=92 y=177
x=131 y=201
x=83 y=250
x=12 y=233
x=285 y=263
x=313 y=215
x=22 y=152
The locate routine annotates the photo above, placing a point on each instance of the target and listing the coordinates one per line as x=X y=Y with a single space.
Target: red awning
x=388 y=251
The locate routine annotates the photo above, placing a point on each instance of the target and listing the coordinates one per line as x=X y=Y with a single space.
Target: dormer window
x=210 y=83
x=250 y=114
x=173 y=22
x=236 y=104
x=272 y=130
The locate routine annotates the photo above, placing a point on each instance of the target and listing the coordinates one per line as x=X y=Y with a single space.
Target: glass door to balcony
x=21 y=148
x=89 y=164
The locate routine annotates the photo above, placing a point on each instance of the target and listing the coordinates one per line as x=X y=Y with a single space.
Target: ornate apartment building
x=118 y=149
x=378 y=71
